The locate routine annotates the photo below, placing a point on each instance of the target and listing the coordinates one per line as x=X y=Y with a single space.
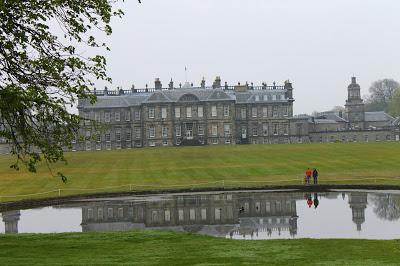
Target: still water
x=236 y=215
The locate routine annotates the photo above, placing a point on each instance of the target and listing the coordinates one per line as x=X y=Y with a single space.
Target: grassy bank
x=178 y=167
x=169 y=248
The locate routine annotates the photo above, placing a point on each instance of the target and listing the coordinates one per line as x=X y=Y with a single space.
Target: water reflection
x=244 y=215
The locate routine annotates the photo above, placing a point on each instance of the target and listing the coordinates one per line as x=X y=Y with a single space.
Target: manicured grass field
x=186 y=167
x=169 y=248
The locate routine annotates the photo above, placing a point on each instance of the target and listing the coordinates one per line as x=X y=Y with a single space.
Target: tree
x=394 y=105
x=387 y=206
x=382 y=92
x=42 y=73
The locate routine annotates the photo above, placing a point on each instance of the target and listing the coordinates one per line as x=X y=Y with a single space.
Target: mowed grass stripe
x=189 y=165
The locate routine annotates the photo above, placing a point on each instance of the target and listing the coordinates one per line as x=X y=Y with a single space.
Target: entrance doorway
x=189 y=131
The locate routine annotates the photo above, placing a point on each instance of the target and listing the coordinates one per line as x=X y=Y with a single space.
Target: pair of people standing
x=314 y=173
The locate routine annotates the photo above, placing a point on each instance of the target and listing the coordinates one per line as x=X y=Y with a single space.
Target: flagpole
x=185 y=74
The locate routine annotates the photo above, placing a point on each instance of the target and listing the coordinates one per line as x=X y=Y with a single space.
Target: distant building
x=222 y=114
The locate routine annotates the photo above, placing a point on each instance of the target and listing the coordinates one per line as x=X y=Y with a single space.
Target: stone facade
x=222 y=114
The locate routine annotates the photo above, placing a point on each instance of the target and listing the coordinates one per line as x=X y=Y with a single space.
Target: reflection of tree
x=387 y=206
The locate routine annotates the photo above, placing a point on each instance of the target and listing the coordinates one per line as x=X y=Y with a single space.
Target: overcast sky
x=316 y=44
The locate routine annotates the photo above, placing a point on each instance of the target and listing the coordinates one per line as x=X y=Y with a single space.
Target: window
x=227 y=130
x=118 y=135
x=217 y=213
x=255 y=133
x=377 y=138
x=257 y=98
x=108 y=146
x=88 y=145
x=97 y=117
x=90 y=213
x=164 y=132
x=117 y=116
x=87 y=117
x=285 y=110
x=286 y=129
x=127 y=116
x=275 y=127
x=137 y=115
x=388 y=137
x=192 y=214
x=118 y=145
x=214 y=130
x=243 y=113
x=254 y=111
x=107 y=117
x=200 y=111
x=366 y=138
x=151 y=112
x=163 y=112
x=265 y=111
x=167 y=215
x=275 y=111
x=265 y=129
x=189 y=111
x=137 y=132
x=200 y=130
x=214 y=141
x=214 y=110
x=152 y=132
x=282 y=97
x=152 y=143
x=203 y=214
x=274 y=97
x=180 y=215
x=177 y=112
x=110 y=212
x=98 y=146
x=100 y=214
x=165 y=142
x=128 y=135
x=226 y=110
x=108 y=137
x=178 y=131
x=98 y=136
x=120 y=212
x=265 y=97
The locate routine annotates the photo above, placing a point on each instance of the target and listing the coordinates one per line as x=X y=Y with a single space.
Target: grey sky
x=316 y=44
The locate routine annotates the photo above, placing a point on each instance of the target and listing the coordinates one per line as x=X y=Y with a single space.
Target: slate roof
x=396 y=121
x=167 y=96
x=325 y=121
x=378 y=117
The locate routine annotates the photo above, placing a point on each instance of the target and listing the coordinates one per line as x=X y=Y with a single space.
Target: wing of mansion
x=222 y=114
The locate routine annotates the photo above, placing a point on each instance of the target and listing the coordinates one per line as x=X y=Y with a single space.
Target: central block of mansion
x=222 y=114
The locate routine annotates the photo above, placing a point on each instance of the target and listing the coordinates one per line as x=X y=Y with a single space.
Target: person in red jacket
x=308 y=175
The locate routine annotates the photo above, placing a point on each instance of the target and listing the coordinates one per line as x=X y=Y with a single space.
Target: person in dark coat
x=315 y=176
x=316 y=201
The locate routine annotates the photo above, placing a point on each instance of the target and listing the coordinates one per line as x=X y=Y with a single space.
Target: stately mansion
x=222 y=114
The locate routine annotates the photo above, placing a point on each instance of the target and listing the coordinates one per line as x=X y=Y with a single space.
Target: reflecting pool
x=236 y=215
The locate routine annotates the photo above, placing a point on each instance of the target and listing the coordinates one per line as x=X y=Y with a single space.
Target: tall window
x=265 y=129
x=189 y=111
x=214 y=130
x=98 y=136
x=254 y=111
x=226 y=110
x=243 y=113
x=227 y=130
x=117 y=116
x=107 y=137
x=128 y=135
x=107 y=117
x=265 y=111
x=137 y=115
x=255 y=131
x=152 y=132
x=275 y=129
x=177 y=112
x=163 y=112
x=200 y=130
x=127 y=116
x=137 y=132
x=286 y=129
x=200 y=111
x=285 y=110
x=164 y=132
x=118 y=135
x=275 y=111
x=178 y=130
x=97 y=116
x=214 y=110
x=151 y=112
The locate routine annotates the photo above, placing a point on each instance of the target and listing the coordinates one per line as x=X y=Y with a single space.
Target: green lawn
x=230 y=165
x=169 y=248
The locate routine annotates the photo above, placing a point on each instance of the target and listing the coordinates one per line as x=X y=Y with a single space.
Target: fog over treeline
x=318 y=45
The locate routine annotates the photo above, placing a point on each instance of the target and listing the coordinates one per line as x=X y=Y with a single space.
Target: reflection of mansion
x=222 y=114
x=235 y=215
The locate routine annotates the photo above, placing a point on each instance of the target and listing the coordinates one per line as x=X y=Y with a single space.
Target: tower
x=358 y=204
x=355 y=110
x=10 y=220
